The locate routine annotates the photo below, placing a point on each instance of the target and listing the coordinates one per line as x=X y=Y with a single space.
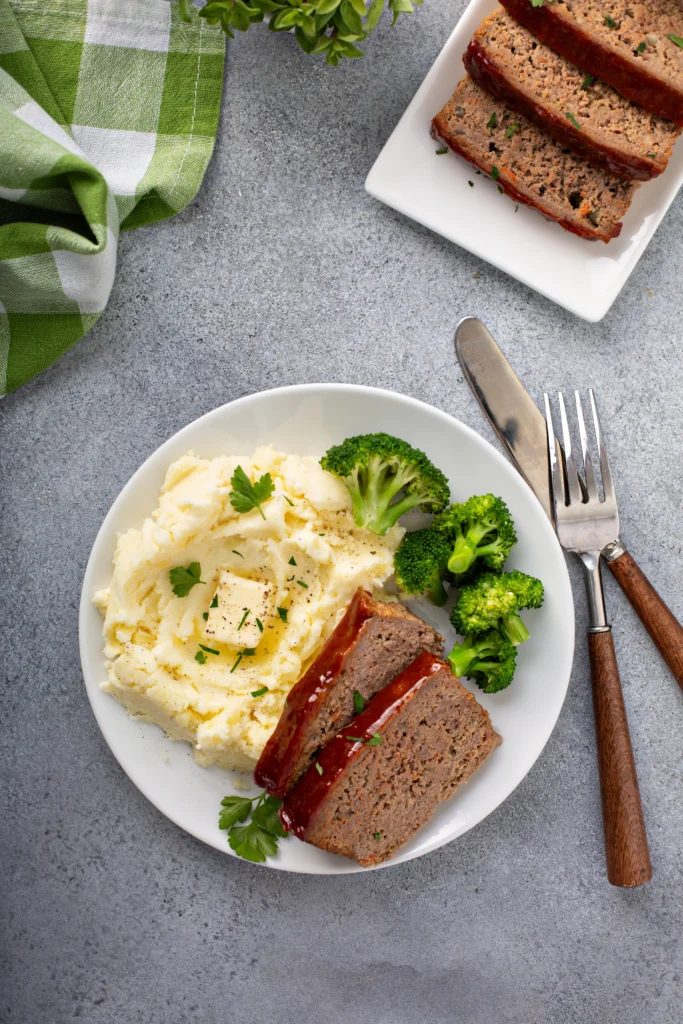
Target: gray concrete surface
x=284 y=271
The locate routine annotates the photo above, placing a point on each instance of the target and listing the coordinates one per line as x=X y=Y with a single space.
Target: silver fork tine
x=556 y=481
x=607 y=485
x=572 y=476
x=589 y=475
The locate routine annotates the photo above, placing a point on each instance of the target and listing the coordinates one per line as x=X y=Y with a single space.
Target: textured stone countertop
x=283 y=271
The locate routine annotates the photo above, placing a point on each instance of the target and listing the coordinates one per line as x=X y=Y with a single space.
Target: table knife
x=521 y=427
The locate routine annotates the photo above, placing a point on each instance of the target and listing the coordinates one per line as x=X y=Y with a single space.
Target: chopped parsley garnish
x=259 y=693
x=205 y=616
x=376 y=835
x=292 y=561
x=260 y=625
x=678 y=40
x=512 y=128
x=257 y=840
x=593 y=216
x=440 y=152
x=244 y=618
x=302 y=584
x=209 y=650
x=246 y=496
x=491 y=123
x=234 y=552
x=500 y=189
x=318 y=768
x=282 y=612
x=588 y=81
x=570 y=117
x=249 y=652
x=288 y=501
x=471 y=184
x=495 y=173
x=641 y=48
x=516 y=208
x=374 y=740
x=651 y=156
x=358 y=702
x=610 y=22
x=214 y=603
x=183 y=579
x=200 y=657
x=237 y=661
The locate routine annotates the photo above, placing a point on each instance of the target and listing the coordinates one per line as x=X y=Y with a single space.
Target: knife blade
x=520 y=426
x=510 y=409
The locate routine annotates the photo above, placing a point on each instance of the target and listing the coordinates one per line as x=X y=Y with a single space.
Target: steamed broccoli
x=480 y=530
x=489 y=659
x=493 y=601
x=420 y=564
x=375 y=467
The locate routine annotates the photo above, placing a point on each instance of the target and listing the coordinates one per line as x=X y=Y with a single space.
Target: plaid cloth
x=108 y=114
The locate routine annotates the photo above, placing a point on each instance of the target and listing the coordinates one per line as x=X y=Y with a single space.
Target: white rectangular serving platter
x=583 y=276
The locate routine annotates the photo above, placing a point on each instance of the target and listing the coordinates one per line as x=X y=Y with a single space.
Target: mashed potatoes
x=307 y=557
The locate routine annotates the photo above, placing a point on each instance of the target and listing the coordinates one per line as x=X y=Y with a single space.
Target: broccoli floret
x=420 y=564
x=489 y=659
x=493 y=601
x=375 y=467
x=480 y=530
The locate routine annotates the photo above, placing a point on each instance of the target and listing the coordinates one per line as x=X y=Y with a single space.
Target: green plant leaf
x=184 y=578
x=252 y=843
x=302 y=39
x=266 y=817
x=324 y=43
x=184 y=9
x=359 y=7
x=374 y=14
x=244 y=495
x=235 y=808
x=351 y=17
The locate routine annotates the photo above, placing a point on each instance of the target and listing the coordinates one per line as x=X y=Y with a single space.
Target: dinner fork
x=586 y=525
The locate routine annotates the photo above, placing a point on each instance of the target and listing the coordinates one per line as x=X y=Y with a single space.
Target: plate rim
x=85 y=605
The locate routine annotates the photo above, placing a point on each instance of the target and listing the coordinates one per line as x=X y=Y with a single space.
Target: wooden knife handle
x=659 y=621
x=628 y=858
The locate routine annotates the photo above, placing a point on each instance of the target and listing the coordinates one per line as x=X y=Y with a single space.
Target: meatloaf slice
x=626 y=44
x=530 y=166
x=383 y=776
x=580 y=111
x=373 y=643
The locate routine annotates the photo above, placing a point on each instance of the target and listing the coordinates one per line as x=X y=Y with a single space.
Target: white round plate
x=306 y=420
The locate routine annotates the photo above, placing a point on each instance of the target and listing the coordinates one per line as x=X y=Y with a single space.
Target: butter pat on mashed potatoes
x=272 y=591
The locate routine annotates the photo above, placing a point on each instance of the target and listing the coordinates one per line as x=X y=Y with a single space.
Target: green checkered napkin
x=108 y=113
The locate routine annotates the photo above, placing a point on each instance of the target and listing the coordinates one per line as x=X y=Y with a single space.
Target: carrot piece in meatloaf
x=626 y=43
x=577 y=109
x=373 y=642
x=530 y=166
x=382 y=777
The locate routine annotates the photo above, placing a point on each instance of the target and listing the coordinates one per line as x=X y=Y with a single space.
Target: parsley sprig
x=184 y=578
x=259 y=839
x=330 y=27
x=245 y=496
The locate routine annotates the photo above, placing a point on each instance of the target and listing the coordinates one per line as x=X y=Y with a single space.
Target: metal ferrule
x=614 y=550
x=597 y=617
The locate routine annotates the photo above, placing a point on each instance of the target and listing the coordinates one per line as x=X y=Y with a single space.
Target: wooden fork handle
x=659 y=621
x=628 y=858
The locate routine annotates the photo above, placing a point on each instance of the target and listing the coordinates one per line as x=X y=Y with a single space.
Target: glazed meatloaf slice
x=630 y=45
x=530 y=166
x=580 y=111
x=373 y=643
x=383 y=776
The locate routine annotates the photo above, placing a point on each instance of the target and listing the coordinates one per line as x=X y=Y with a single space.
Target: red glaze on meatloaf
x=373 y=643
x=383 y=776
x=605 y=41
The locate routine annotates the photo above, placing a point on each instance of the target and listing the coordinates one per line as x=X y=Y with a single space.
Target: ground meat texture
x=363 y=799
x=580 y=111
x=373 y=643
x=530 y=166
x=624 y=44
